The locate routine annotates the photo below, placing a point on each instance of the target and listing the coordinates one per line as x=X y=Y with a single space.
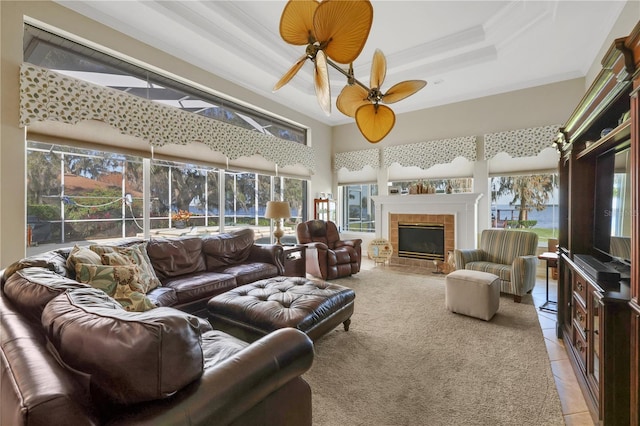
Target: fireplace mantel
x=464 y=207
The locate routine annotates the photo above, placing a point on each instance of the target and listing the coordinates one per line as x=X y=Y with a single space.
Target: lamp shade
x=277 y=210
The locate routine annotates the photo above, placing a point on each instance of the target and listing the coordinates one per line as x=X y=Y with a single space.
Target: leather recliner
x=327 y=256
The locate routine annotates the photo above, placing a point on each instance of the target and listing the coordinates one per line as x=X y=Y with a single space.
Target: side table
x=295 y=261
x=551 y=260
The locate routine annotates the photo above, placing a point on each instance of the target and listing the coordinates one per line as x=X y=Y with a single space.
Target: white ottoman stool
x=472 y=293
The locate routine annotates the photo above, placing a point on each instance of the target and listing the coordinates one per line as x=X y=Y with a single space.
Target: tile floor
x=574 y=407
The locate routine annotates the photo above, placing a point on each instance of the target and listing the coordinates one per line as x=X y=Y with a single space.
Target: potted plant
x=181 y=218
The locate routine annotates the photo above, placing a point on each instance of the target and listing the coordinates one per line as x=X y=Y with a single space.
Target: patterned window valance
x=357 y=160
x=429 y=153
x=47 y=95
x=520 y=143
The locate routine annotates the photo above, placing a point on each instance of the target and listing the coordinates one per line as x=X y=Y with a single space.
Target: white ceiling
x=463 y=49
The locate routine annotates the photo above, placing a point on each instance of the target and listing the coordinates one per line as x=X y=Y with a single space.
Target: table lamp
x=277 y=210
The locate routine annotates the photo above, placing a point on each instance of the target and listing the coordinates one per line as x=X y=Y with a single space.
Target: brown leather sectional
x=70 y=354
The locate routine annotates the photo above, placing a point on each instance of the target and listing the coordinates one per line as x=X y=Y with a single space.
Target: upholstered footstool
x=472 y=293
x=253 y=310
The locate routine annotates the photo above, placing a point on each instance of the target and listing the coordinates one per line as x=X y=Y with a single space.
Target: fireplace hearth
x=421 y=241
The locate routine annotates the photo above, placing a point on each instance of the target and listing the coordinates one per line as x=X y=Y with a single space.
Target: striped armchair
x=509 y=254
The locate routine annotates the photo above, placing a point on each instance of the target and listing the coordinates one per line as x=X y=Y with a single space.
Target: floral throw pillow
x=118 y=282
x=134 y=255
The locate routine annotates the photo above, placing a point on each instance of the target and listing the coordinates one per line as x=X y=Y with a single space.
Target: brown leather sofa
x=70 y=354
x=327 y=256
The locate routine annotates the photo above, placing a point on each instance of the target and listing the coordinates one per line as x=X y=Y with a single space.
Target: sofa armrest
x=462 y=257
x=268 y=253
x=523 y=274
x=233 y=386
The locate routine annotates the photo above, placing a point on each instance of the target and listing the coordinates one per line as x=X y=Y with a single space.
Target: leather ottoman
x=253 y=310
x=472 y=293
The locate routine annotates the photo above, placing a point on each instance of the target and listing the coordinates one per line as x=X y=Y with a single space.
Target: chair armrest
x=233 y=386
x=268 y=253
x=523 y=274
x=316 y=245
x=462 y=257
x=353 y=243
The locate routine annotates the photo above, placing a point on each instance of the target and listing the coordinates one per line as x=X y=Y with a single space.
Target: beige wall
x=538 y=106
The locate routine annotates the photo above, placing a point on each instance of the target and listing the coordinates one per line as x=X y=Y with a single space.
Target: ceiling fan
x=335 y=30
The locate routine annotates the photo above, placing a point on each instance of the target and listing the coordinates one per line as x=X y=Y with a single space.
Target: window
x=358 y=212
x=526 y=201
x=82 y=194
x=67 y=57
x=79 y=195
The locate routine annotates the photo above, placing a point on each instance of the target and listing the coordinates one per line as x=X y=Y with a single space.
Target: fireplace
x=423 y=224
x=421 y=240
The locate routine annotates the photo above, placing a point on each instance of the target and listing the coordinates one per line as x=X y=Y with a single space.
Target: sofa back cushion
x=130 y=357
x=504 y=245
x=172 y=257
x=30 y=289
x=227 y=249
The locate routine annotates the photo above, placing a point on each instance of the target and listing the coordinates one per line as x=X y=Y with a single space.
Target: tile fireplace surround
x=458 y=212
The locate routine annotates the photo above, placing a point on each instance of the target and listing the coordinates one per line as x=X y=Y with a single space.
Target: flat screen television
x=612 y=221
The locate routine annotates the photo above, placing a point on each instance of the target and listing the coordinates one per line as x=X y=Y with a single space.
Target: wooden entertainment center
x=598 y=283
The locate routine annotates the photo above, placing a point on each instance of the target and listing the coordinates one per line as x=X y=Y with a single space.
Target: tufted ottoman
x=473 y=293
x=253 y=310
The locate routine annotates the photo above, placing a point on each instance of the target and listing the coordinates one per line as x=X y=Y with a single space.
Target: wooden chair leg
x=346 y=324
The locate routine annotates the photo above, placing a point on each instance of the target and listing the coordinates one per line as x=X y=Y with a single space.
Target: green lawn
x=544 y=234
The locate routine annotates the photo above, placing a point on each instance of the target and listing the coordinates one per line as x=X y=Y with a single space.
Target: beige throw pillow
x=82 y=255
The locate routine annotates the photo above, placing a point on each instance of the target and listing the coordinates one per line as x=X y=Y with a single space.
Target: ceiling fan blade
x=402 y=90
x=350 y=99
x=321 y=79
x=296 y=22
x=345 y=26
x=375 y=121
x=378 y=69
x=289 y=74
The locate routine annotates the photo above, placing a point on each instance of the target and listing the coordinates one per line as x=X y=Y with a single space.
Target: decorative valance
x=520 y=143
x=357 y=160
x=429 y=153
x=47 y=95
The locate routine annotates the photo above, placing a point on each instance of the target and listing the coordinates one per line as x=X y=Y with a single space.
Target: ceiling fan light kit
x=336 y=31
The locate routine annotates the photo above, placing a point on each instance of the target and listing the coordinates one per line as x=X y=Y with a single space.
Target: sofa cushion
x=30 y=289
x=172 y=257
x=200 y=285
x=120 y=282
x=133 y=255
x=163 y=296
x=227 y=249
x=250 y=272
x=130 y=356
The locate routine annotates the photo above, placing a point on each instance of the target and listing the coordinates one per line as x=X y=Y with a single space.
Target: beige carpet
x=406 y=360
